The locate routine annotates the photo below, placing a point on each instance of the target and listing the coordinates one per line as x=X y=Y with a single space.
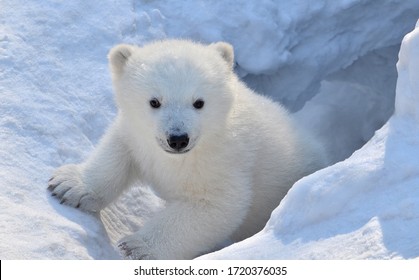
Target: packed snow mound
x=366 y=207
x=333 y=59
x=407 y=98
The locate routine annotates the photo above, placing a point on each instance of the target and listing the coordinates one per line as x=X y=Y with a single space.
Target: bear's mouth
x=174 y=152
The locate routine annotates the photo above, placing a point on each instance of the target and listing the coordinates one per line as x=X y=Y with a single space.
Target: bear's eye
x=155 y=103
x=199 y=104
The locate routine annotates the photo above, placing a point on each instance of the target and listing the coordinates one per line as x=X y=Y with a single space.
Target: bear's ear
x=118 y=57
x=226 y=51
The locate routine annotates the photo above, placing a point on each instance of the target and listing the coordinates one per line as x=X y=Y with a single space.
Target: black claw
x=53 y=194
x=63 y=194
x=63 y=201
x=52 y=187
x=50 y=179
x=143 y=257
x=127 y=252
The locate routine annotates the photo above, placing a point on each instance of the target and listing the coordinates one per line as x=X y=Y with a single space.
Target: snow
x=330 y=62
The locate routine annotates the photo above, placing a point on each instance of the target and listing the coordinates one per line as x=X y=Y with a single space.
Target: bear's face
x=176 y=94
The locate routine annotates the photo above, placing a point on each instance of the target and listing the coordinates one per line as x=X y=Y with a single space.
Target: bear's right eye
x=155 y=103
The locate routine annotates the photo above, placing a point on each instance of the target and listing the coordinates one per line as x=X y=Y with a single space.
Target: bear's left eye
x=199 y=104
x=155 y=103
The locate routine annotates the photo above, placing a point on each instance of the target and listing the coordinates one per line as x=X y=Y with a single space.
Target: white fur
x=243 y=155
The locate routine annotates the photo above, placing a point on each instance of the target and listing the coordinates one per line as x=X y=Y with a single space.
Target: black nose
x=178 y=142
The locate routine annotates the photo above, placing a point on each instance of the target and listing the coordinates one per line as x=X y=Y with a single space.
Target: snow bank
x=56 y=101
x=366 y=207
x=283 y=48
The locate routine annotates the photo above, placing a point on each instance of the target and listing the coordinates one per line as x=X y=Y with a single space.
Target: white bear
x=220 y=155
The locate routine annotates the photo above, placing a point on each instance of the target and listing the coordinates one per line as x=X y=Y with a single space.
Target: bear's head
x=174 y=93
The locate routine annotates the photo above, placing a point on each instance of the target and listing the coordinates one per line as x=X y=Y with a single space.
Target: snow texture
x=333 y=63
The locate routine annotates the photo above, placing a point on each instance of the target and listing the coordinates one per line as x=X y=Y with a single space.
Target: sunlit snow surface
x=330 y=62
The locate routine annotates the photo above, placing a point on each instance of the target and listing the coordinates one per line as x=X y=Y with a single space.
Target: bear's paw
x=67 y=185
x=135 y=248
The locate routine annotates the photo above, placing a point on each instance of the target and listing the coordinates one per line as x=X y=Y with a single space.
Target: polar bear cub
x=220 y=155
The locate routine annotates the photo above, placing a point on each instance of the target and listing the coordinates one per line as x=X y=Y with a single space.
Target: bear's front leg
x=95 y=183
x=184 y=230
